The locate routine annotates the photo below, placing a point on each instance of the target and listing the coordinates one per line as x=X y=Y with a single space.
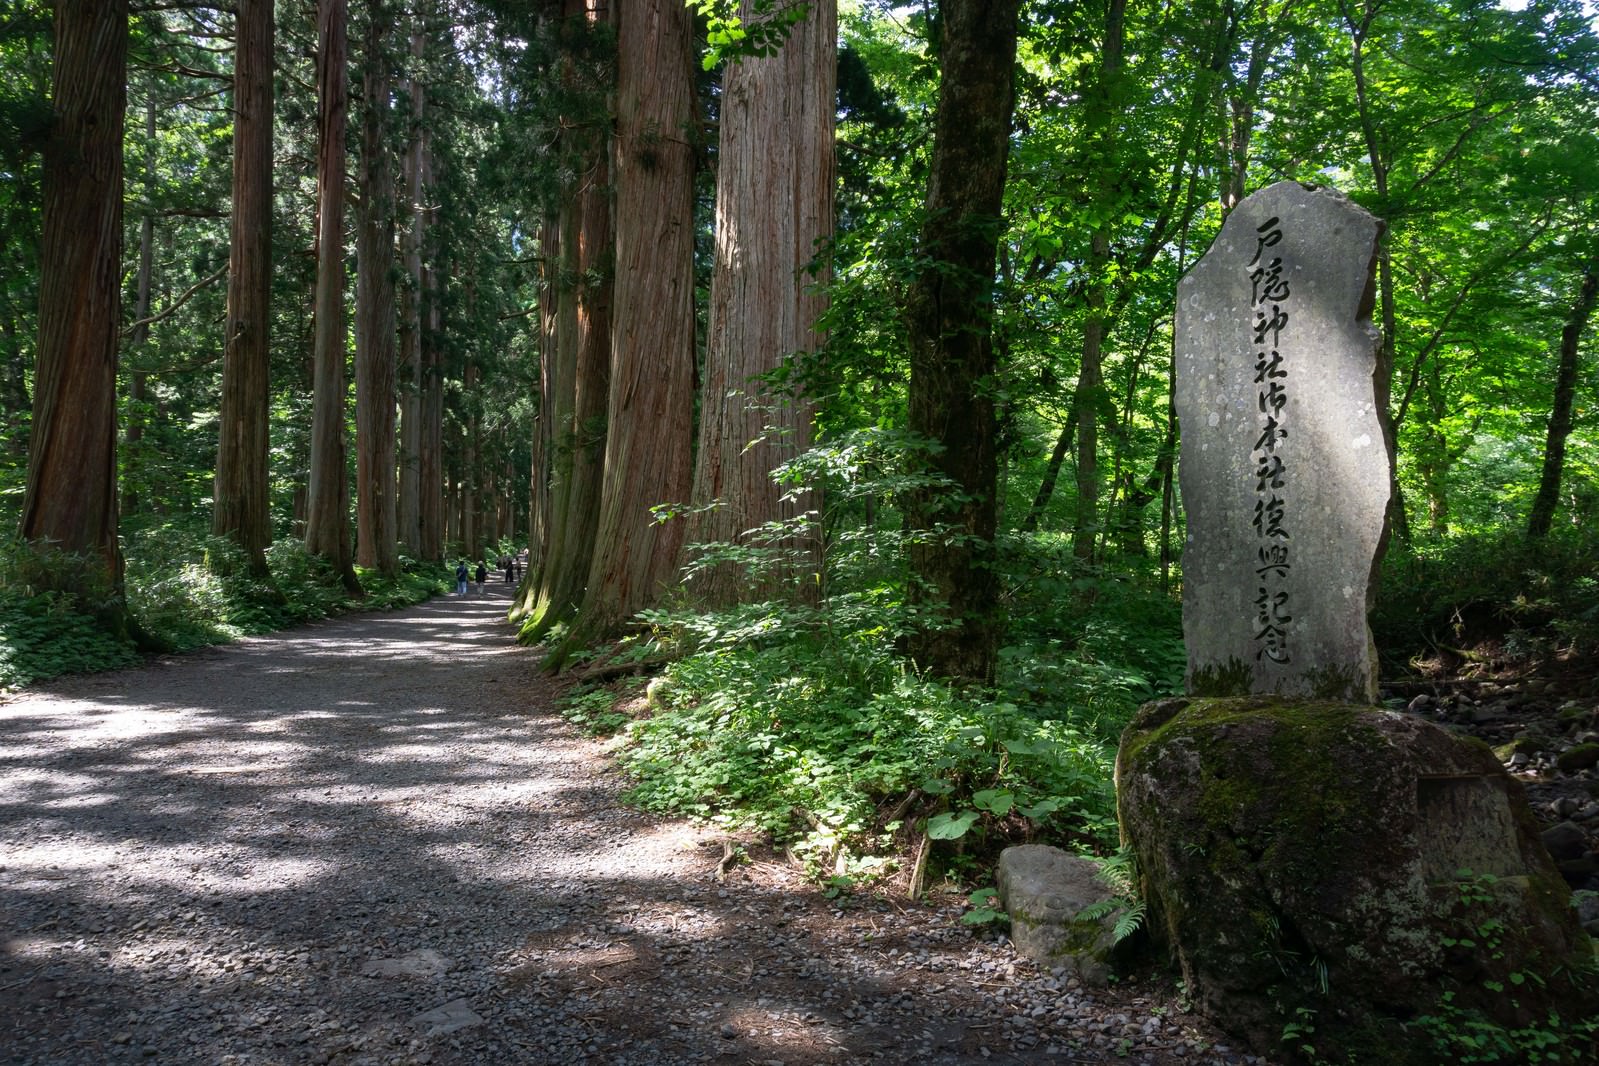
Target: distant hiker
x=460 y=578
x=482 y=576
x=510 y=571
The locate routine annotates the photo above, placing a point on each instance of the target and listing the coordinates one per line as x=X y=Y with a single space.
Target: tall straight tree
x=70 y=503
x=774 y=208
x=327 y=523
x=409 y=508
x=241 y=490
x=576 y=363
x=430 y=457
x=650 y=412
x=1100 y=121
x=375 y=339
x=948 y=312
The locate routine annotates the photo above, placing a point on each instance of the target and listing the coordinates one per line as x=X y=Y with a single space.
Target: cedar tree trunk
x=327 y=523
x=375 y=341
x=651 y=405
x=70 y=503
x=241 y=490
x=409 y=510
x=774 y=206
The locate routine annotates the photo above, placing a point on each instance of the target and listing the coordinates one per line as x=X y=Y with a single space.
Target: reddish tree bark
x=70 y=503
x=651 y=401
x=241 y=508
x=409 y=510
x=575 y=375
x=774 y=206
x=375 y=339
x=327 y=524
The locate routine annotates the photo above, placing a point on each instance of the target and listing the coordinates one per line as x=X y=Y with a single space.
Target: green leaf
x=1042 y=809
x=950 y=826
x=998 y=800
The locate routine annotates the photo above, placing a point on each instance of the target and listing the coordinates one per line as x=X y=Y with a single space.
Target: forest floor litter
x=374 y=840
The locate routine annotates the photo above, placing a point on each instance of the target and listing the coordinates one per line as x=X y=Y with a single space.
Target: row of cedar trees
x=617 y=344
x=70 y=502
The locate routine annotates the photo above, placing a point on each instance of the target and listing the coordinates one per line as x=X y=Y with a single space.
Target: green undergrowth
x=804 y=723
x=185 y=591
x=801 y=719
x=1532 y=601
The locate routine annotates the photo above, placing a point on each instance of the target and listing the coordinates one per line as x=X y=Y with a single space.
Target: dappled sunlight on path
x=253 y=822
x=372 y=840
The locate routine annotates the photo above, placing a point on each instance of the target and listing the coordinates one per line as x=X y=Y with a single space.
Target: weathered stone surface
x=1044 y=889
x=1565 y=840
x=1285 y=470
x=1308 y=857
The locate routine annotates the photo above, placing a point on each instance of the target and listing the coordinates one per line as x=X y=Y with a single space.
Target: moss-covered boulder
x=1352 y=879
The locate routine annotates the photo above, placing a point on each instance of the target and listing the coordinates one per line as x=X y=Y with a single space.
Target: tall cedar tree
x=408 y=510
x=774 y=207
x=575 y=369
x=327 y=524
x=430 y=459
x=651 y=406
x=243 y=439
x=375 y=341
x=70 y=503
x=948 y=312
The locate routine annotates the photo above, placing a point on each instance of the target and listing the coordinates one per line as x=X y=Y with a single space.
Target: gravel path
x=373 y=841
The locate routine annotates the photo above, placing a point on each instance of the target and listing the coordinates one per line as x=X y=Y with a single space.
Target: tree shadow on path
x=373 y=840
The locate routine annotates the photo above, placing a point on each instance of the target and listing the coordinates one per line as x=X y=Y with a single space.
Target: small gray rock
x=1044 y=889
x=424 y=962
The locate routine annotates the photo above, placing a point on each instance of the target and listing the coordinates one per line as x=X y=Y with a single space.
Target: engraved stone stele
x=1281 y=397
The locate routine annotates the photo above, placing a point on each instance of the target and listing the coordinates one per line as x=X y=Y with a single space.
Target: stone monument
x=1315 y=863
x=1281 y=395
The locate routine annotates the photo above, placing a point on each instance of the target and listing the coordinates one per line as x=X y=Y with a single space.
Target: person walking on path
x=505 y=564
x=482 y=576
x=460 y=578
